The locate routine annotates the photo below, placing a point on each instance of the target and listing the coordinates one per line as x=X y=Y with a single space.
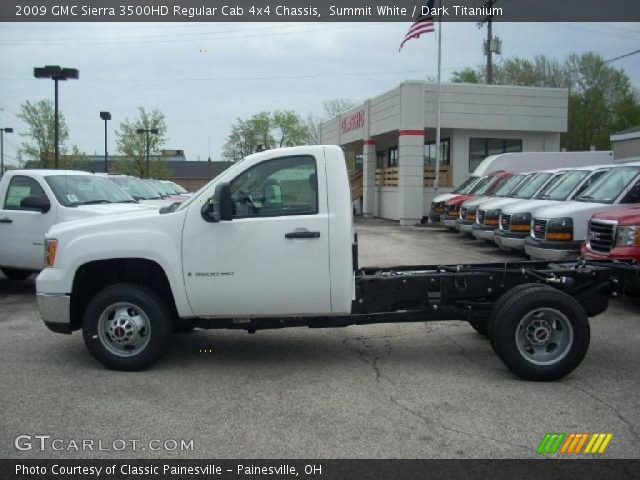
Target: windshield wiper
x=127 y=201
x=93 y=202
x=584 y=198
x=169 y=208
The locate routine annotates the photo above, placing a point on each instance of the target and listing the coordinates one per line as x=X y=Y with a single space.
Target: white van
x=514 y=225
x=557 y=231
x=519 y=162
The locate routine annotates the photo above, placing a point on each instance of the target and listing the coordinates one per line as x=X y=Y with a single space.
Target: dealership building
x=391 y=139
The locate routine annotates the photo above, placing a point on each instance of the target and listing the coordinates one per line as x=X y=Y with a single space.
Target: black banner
x=316 y=11
x=318 y=469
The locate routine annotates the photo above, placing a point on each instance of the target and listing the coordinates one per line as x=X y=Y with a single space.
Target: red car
x=484 y=188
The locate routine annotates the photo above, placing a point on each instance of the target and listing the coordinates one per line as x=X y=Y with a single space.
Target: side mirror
x=35 y=202
x=220 y=206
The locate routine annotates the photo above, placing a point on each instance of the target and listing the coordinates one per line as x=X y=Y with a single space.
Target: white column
x=411 y=176
x=368 y=177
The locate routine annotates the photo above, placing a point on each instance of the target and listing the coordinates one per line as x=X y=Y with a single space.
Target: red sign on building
x=353 y=121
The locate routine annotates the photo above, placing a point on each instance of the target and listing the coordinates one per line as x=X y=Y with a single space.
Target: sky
x=203 y=76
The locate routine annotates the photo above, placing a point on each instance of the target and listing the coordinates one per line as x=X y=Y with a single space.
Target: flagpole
x=436 y=180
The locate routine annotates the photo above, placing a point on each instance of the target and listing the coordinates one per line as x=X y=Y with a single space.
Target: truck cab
x=558 y=231
x=32 y=201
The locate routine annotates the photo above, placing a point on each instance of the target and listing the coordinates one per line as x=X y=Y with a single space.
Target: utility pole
x=491 y=45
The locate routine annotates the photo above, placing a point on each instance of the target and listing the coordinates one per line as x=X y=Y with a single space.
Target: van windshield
x=508 y=186
x=74 y=190
x=610 y=185
x=135 y=187
x=482 y=186
x=530 y=187
x=562 y=188
x=466 y=185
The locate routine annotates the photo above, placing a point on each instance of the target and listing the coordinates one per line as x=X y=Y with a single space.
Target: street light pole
x=105 y=116
x=2 y=131
x=56 y=73
x=147 y=131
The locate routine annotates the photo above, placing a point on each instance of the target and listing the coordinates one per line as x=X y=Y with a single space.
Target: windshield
x=179 y=188
x=169 y=187
x=483 y=185
x=610 y=185
x=153 y=186
x=135 y=187
x=531 y=186
x=508 y=186
x=162 y=187
x=466 y=185
x=561 y=188
x=73 y=190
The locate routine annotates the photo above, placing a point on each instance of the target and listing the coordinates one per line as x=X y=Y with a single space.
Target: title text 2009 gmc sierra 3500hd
x=270 y=243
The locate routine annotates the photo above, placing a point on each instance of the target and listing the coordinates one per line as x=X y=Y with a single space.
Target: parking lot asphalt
x=422 y=390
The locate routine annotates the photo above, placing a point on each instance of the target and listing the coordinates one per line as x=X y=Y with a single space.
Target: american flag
x=422 y=24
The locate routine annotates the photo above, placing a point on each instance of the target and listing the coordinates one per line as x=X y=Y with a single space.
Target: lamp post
x=105 y=116
x=55 y=73
x=2 y=132
x=147 y=131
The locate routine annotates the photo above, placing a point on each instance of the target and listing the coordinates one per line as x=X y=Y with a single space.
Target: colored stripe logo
x=574 y=443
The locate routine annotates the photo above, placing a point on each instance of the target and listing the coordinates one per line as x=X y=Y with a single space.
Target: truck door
x=22 y=229
x=272 y=258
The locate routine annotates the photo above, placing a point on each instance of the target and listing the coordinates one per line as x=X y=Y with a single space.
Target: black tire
x=482 y=327
x=16 y=273
x=526 y=314
x=145 y=302
x=502 y=301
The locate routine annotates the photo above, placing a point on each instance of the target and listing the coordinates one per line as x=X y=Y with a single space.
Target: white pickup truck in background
x=31 y=201
x=270 y=243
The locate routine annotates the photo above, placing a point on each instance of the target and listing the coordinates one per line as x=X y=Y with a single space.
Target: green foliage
x=467 y=75
x=158 y=168
x=269 y=130
x=39 y=147
x=133 y=147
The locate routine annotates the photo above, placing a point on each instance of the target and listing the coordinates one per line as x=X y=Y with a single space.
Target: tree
x=336 y=106
x=39 y=148
x=467 y=75
x=265 y=130
x=133 y=147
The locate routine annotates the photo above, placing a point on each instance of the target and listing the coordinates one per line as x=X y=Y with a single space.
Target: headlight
x=491 y=217
x=560 y=229
x=521 y=222
x=628 y=236
x=50 y=249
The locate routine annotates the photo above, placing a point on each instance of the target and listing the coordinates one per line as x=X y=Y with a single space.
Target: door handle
x=6 y=220
x=302 y=234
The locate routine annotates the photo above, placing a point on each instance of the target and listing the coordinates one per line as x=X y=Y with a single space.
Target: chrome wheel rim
x=124 y=329
x=544 y=336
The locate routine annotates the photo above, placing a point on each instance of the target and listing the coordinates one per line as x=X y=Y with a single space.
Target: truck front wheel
x=541 y=334
x=126 y=327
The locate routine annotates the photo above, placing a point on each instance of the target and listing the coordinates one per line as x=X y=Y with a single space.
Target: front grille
x=602 y=236
x=463 y=213
x=505 y=222
x=480 y=217
x=539 y=228
x=452 y=210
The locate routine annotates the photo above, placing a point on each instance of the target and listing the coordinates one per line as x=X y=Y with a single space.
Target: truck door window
x=20 y=188
x=282 y=186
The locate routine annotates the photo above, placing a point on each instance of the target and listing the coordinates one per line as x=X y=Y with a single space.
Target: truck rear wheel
x=16 y=273
x=541 y=334
x=126 y=326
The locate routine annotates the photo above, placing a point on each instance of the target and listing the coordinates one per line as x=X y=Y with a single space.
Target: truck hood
x=157 y=202
x=579 y=211
x=444 y=197
x=473 y=202
x=530 y=206
x=103 y=221
x=623 y=215
x=89 y=211
x=495 y=203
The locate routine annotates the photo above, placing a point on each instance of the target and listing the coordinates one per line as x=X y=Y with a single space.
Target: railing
x=389 y=177
x=355 y=179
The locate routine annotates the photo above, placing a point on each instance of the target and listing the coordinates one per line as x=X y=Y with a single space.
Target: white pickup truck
x=270 y=243
x=31 y=201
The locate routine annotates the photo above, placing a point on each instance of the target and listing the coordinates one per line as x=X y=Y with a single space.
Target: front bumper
x=55 y=311
x=449 y=221
x=552 y=251
x=464 y=225
x=435 y=216
x=483 y=232
x=510 y=240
